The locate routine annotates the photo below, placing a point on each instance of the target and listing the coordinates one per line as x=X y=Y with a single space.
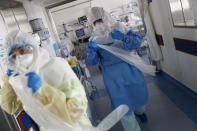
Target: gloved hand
x=116 y=34
x=34 y=82
x=9 y=72
x=93 y=44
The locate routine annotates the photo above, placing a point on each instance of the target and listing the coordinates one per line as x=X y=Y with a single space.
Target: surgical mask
x=101 y=29
x=102 y=34
x=103 y=39
x=25 y=60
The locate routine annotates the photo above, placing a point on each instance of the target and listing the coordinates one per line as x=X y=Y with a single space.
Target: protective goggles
x=20 y=51
x=98 y=21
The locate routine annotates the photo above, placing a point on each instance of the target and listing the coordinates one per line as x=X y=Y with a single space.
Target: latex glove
x=93 y=44
x=9 y=72
x=116 y=34
x=34 y=82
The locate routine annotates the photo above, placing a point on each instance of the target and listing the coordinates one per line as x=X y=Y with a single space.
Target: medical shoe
x=143 y=118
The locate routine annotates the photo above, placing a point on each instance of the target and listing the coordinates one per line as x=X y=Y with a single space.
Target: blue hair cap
x=15 y=46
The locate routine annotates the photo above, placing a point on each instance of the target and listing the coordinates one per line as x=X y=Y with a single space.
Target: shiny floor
x=168 y=108
x=3 y=123
x=165 y=111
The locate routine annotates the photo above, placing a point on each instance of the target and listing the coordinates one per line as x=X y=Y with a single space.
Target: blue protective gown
x=124 y=82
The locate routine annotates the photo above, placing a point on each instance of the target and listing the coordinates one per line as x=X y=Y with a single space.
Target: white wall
x=109 y=4
x=3 y=29
x=72 y=11
x=69 y=12
x=3 y=33
x=179 y=65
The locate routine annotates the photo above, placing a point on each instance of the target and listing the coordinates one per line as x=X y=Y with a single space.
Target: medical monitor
x=80 y=32
x=82 y=19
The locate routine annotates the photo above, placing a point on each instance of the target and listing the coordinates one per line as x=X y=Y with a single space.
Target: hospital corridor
x=98 y=65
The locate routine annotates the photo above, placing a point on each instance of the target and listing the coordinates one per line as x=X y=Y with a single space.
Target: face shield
x=99 y=15
x=101 y=22
x=22 y=51
x=101 y=29
x=22 y=56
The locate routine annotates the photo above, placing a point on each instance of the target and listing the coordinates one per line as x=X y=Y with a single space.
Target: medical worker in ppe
x=56 y=86
x=124 y=82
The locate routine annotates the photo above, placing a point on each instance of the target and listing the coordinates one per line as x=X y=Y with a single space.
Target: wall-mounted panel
x=187 y=46
x=159 y=39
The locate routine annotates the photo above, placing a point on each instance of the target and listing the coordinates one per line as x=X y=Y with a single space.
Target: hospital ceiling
x=54 y=3
x=4 y=4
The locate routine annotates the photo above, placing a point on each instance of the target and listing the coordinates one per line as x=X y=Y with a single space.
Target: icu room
x=98 y=65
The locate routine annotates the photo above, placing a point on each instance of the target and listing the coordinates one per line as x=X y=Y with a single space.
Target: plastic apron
x=48 y=120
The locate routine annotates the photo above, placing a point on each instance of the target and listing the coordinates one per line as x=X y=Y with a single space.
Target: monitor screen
x=80 y=32
x=82 y=19
x=65 y=52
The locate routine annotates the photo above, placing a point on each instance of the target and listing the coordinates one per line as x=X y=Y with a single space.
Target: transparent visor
x=20 y=51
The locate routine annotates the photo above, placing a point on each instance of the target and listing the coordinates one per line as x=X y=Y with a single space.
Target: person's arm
x=132 y=40
x=68 y=102
x=55 y=101
x=91 y=55
x=8 y=98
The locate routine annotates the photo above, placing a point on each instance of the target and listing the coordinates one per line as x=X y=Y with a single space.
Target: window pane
x=189 y=12
x=176 y=10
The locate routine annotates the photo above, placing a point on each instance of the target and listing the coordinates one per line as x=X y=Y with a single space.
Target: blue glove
x=93 y=44
x=34 y=82
x=9 y=72
x=117 y=35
